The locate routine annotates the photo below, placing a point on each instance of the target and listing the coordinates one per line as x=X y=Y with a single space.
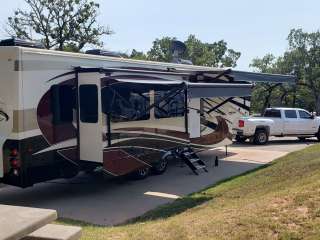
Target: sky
x=252 y=27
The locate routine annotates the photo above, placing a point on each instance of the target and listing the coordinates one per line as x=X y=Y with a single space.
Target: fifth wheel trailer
x=61 y=113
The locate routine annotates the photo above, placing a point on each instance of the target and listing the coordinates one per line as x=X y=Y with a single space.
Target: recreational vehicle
x=61 y=112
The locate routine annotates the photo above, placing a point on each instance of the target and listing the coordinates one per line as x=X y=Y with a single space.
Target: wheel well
x=265 y=128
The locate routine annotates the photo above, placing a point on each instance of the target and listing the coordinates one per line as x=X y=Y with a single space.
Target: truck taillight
x=241 y=123
x=14 y=161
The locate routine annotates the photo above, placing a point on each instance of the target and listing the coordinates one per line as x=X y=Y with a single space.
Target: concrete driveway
x=110 y=202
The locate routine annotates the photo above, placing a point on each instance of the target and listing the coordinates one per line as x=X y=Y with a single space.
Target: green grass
x=280 y=201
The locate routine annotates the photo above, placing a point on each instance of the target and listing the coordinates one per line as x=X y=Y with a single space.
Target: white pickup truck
x=278 y=122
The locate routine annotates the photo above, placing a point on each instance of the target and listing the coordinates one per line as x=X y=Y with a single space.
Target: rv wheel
x=161 y=166
x=141 y=173
x=240 y=139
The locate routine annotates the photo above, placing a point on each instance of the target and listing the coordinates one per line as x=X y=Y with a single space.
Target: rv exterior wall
x=10 y=97
x=42 y=95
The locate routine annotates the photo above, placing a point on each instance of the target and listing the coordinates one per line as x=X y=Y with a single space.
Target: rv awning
x=196 y=90
x=262 y=77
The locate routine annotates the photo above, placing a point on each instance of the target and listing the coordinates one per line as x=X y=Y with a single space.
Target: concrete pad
x=105 y=202
x=55 y=232
x=111 y=202
x=18 y=222
x=251 y=155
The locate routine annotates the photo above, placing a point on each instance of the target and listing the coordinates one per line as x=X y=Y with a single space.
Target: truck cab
x=279 y=122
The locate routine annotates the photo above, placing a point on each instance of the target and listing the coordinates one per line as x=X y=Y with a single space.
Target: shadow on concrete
x=111 y=202
x=277 y=142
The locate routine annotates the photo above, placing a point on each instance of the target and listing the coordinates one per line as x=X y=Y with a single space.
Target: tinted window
x=125 y=105
x=168 y=106
x=88 y=103
x=272 y=113
x=304 y=114
x=62 y=101
x=290 y=113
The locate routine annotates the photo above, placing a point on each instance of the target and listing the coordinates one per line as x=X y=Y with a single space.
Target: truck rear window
x=272 y=113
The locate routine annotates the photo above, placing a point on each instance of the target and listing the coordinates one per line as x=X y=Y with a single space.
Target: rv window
x=62 y=101
x=125 y=105
x=88 y=103
x=169 y=106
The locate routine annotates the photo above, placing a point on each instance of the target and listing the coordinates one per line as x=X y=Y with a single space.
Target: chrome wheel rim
x=262 y=137
x=162 y=165
x=143 y=172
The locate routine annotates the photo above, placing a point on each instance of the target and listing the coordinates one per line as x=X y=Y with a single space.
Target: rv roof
x=172 y=67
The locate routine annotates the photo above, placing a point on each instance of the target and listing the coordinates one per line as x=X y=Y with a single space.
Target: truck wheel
x=141 y=173
x=261 y=137
x=318 y=135
x=161 y=166
x=302 y=139
x=240 y=139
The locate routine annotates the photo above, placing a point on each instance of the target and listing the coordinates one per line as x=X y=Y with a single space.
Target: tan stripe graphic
x=25 y=120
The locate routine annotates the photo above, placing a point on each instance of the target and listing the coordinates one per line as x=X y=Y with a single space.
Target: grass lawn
x=280 y=201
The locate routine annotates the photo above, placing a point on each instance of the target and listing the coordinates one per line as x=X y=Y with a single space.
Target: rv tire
x=240 y=139
x=161 y=166
x=69 y=173
x=141 y=173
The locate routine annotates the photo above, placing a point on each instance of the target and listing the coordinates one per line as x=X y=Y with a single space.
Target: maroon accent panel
x=53 y=133
x=69 y=153
x=170 y=133
x=120 y=163
x=221 y=132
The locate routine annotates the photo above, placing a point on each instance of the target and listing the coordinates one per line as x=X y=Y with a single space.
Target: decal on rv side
x=3 y=116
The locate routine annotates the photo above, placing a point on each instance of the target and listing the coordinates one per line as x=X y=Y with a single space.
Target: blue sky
x=252 y=27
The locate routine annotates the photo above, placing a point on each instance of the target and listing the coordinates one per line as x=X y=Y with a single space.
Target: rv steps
x=192 y=160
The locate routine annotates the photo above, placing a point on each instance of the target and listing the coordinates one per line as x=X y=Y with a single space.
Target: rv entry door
x=90 y=117
x=194 y=118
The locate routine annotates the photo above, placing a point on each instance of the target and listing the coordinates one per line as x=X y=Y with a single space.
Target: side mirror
x=313 y=115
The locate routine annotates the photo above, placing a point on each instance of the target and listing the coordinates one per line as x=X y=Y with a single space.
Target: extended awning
x=200 y=84
x=207 y=90
x=196 y=90
x=262 y=77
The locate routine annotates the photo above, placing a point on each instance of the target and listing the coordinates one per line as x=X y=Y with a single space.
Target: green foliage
x=302 y=59
x=60 y=24
x=215 y=54
x=138 y=55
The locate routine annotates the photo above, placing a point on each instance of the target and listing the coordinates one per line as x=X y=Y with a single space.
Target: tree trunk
x=294 y=97
x=266 y=102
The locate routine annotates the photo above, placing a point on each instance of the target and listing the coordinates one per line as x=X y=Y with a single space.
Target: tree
x=301 y=59
x=262 y=95
x=138 y=55
x=215 y=54
x=160 y=51
x=60 y=24
x=304 y=55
